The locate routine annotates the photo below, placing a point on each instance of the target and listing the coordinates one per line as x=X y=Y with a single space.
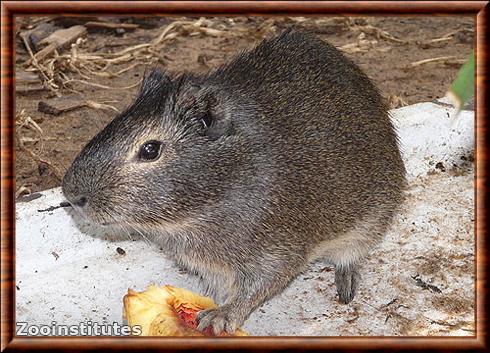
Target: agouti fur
x=283 y=156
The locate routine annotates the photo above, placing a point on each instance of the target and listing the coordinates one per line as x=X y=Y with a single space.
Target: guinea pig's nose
x=79 y=201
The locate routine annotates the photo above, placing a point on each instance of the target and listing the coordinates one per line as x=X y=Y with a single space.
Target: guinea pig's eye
x=150 y=150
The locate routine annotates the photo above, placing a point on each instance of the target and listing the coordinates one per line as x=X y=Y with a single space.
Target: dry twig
x=86 y=65
x=446 y=59
x=24 y=121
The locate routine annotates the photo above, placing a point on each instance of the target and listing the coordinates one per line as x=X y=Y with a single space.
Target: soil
x=384 y=47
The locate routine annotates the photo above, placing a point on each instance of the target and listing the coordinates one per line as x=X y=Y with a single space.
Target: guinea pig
x=250 y=172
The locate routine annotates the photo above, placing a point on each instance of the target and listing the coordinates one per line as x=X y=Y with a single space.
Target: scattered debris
x=103 y=106
x=28 y=198
x=390 y=303
x=111 y=25
x=70 y=81
x=59 y=105
x=378 y=33
x=69 y=21
x=22 y=190
x=203 y=60
x=42 y=167
x=24 y=121
x=55 y=70
x=39 y=32
x=26 y=82
x=395 y=101
x=51 y=208
x=424 y=285
x=460 y=34
x=359 y=46
x=56 y=41
x=26 y=89
x=447 y=60
x=440 y=166
x=327 y=269
x=434 y=43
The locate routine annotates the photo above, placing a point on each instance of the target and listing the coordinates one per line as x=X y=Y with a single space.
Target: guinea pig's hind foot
x=346 y=280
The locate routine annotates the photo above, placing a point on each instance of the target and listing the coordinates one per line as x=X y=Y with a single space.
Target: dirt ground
x=104 y=66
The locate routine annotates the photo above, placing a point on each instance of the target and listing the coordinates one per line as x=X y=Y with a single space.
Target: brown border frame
x=11 y=8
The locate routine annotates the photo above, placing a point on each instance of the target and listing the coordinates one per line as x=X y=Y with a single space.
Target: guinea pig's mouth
x=104 y=220
x=109 y=218
x=99 y=218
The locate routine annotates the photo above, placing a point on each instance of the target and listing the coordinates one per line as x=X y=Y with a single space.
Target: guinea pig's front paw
x=220 y=319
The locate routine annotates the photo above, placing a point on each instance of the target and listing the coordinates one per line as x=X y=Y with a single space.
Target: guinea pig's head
x=168 y=156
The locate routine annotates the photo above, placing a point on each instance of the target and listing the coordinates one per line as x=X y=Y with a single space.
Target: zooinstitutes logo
x=88 y=328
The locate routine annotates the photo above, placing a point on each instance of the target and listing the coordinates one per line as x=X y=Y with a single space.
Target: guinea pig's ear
x=155 y=82
x=151 y=96
x=208 y=108
x=216 y=120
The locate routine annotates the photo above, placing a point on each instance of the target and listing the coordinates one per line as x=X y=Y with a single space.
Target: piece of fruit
x=168 y=311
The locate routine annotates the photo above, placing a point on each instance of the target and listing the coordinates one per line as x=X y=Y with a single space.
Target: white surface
x=426 y=136
x=69 y=275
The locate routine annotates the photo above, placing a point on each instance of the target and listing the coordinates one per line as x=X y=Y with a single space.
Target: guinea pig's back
x=327 y=126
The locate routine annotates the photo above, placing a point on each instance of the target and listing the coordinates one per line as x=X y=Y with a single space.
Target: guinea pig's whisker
x=142 y=235
x=126 y=230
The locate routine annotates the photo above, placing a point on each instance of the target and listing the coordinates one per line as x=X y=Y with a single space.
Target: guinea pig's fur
x=283 y=156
